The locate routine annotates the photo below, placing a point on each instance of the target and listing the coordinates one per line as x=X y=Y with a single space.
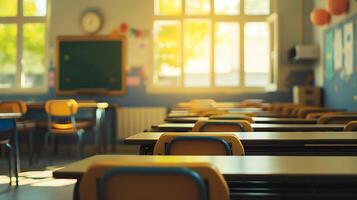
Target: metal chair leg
x=30 y=145
x=49 y=138
x=9 y=157
x=79 y=143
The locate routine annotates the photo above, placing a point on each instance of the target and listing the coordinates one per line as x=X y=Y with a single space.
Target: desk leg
x=99 y=129
x=17 y=157
x=76 y=190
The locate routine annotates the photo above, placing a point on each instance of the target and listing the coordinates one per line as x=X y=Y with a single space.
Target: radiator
x=137 y=119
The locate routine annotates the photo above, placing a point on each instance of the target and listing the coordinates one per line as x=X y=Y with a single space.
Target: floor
x=36 y=182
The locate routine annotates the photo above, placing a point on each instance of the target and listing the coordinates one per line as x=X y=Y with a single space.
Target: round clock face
x=91 y=22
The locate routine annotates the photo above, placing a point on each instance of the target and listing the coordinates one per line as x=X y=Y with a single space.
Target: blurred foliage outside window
x=22 y=43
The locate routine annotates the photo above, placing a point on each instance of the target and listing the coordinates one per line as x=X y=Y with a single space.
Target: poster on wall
x=348 y=44
x=328 y=54
x=338 y=49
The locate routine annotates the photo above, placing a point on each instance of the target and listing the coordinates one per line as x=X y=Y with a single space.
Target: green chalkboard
x=91 y=65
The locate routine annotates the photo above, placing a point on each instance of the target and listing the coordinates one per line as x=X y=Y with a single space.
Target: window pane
x=257 y=7
x=168 y=7
x=8 y=8
x=197 y=53
x=33 y=61
x=226 y=63
x=8 y=55
x=227 y=7
x=167 y=53
x=35 y=7
x=198 y=7
x=256 y=56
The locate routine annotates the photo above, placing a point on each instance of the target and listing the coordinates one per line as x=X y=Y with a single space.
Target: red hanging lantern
x=320 y=17
x=123 y=28
x=337 y=7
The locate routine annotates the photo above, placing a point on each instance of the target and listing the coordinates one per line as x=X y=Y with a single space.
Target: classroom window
x=211 y=43
x=23 y=44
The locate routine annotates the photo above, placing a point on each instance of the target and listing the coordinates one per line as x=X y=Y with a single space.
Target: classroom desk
x=14 y=116
x=179 y=114
x=99 y=107
x=184 y=127
x=274 y=143
x=257 y=120
x=257 y=177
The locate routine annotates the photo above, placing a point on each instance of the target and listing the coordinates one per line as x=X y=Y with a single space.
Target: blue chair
x=7 y=127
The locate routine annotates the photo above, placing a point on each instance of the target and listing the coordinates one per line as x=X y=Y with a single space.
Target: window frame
x=241 y=19
x=19 y=20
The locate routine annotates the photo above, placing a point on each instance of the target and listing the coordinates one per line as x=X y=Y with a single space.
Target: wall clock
x=91 y=21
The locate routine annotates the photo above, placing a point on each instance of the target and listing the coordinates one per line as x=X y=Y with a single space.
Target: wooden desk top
x=10 y=115
x=240 y=167
x=184 y=127
x=257 y=120
x=250 y=138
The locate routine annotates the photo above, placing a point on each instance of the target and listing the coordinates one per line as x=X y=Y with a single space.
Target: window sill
x=179 y=90
x=23 y=91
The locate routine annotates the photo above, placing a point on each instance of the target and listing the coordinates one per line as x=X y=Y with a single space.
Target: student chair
x=22 y=125
x=198 y=144
x=316 y=115
x=153 y=181
x=232 y=117
x=7 y=127
x=351 y=126
x=62 y=122
x=210 y=112
x=222 y=126
x=337 y=118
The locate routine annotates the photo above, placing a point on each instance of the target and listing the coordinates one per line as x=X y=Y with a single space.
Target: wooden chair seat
x=81 y=124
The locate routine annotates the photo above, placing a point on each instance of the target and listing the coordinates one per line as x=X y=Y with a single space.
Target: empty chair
x=210 y=112
x=351 y=126
x=62 y=122
x=153 y=181
x=337 y=118
x=222 y=126
x=232 y=117
x=198 y=144
x=22 y=126
x=316 y=115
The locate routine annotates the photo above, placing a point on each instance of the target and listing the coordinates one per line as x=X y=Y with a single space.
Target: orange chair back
x=210 y=112
x=337 y=118
x=17 y=106
x=245 y=117
x=61 y=108
x=222 y=126
x=200 y=144
x=155 y=187
x=351 y=126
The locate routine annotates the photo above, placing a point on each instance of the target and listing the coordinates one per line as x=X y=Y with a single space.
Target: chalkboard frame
x=93 y=91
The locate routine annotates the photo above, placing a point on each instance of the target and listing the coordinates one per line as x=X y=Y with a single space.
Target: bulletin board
x=91 y=65
x=340 y=64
